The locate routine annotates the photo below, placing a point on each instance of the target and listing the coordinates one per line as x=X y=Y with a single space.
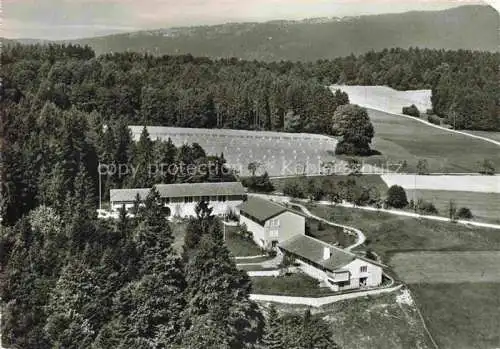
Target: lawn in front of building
x=296 y=284
x=239 y=246
x=330 y=234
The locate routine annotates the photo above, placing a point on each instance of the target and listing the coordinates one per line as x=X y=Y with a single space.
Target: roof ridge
x=332 y=246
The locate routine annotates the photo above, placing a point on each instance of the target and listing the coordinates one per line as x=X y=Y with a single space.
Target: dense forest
x=465 y=27
x=72 y=281
x=283 y=96
x=465 y=84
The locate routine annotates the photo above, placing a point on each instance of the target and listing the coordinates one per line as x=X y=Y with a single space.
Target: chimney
x=326 y=253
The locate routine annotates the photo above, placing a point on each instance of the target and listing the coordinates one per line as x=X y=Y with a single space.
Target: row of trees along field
x=72 y=281
x=232 y=93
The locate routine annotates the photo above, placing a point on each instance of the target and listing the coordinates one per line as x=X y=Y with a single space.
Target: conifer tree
x=272 y=338
x=217 y=290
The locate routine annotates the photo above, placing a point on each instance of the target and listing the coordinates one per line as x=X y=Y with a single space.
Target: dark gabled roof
x=312 y=249
x=261 y=209
x=127 y=195
x=200 y=189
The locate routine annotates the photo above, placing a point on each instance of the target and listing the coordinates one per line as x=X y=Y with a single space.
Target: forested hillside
x=283 y=96
x=467 y=27
x=465 y=84
x=69 y=280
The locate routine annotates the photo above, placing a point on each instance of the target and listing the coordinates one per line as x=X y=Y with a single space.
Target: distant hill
x=465 y=27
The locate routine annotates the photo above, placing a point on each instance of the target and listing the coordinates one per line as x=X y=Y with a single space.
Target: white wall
x=290 y=225
x=256 y=229
x=312 y=271
x=374 y=274
x=188 y=209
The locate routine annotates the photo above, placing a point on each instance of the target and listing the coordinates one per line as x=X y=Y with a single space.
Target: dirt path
x=361 y=238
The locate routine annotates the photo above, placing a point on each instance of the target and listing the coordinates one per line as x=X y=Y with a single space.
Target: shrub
x=426 y=207
x=321 y=226
x=464 y=213
x=232 y=216
x=422 y=167
x=244 y=233
x=260 y=184
x=486 y=168
x=412 y=110
x=396 y=197
x=294 y=189
x=371 y=255
x=434 y=119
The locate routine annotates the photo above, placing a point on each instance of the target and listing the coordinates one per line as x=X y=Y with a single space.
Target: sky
x=65 y=19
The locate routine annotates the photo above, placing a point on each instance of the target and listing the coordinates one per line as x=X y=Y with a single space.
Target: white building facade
x=338 y=269
x=181 y=199
x=269 y=222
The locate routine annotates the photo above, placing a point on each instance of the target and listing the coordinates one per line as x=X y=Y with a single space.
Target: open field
x=472 y=183
x=386 y=98
x=278 y=153
x=447 y=267
x=388 y=233
x=492 y=135
x=375 y=322
x=399 y=138
x=461 y=316
x=484 y=206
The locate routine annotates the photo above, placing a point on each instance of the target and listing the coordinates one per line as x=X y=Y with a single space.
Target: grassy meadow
x=461 y=316
x=388 y=233
x=484 y=206
x=398 y=138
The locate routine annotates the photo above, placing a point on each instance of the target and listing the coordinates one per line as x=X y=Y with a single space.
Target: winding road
x=287 y=199
x=361 y=238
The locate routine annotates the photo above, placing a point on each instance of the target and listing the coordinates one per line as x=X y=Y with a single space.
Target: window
x=363 y=269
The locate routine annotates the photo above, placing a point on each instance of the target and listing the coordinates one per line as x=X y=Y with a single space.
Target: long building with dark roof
x=273 y=226
x=269 y=222
x=181 y=198
x=337 y=268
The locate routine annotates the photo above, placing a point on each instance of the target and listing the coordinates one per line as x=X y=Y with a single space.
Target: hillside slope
x=466 y=27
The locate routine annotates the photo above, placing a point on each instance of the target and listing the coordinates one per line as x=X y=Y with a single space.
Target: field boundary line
x=423 y=320
x=486 y=139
